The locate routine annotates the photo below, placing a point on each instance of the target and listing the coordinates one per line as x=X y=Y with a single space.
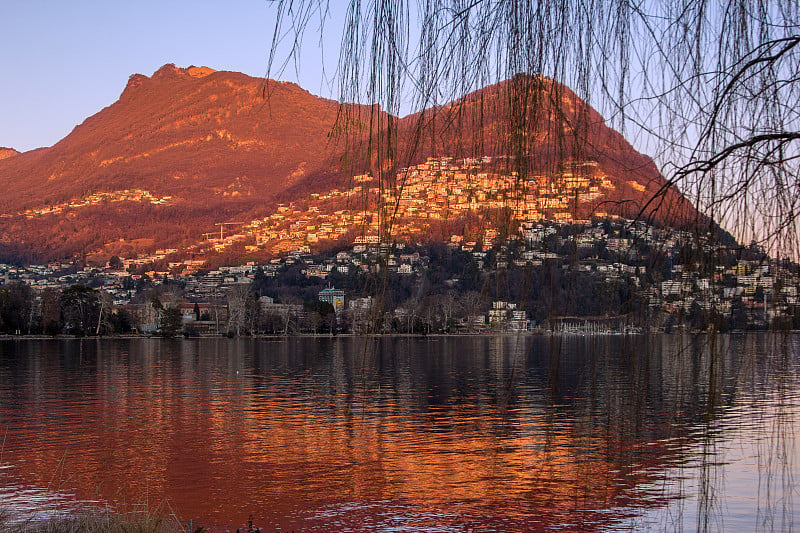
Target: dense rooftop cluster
x=603 y=275
x=126 y=195
x=439 y=190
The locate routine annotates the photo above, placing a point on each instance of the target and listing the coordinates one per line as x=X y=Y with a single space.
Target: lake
x=438 y=434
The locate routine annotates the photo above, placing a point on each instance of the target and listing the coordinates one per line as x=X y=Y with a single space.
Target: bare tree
x=242 y=309
x=472 y=303
x=446 y=306
x=104 y=314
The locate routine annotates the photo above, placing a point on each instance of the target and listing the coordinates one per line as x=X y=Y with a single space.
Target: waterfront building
x=333 y=296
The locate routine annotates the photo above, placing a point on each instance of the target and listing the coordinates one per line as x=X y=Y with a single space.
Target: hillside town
x=434 y=192
x=126 y=195
x=593 y=276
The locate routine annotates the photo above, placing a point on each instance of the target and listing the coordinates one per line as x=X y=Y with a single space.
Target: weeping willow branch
x=700 y=85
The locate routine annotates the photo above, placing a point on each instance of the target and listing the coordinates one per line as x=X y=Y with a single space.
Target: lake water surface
x=438 y=434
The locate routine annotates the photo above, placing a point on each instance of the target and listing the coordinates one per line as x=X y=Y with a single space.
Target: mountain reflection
x=364 y=434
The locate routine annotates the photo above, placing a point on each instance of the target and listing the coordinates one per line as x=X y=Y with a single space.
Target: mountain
x=188 y=148
x=554 y=128
x=7 y=152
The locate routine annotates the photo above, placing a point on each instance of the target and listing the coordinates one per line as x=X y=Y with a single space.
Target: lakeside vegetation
x=96 y=523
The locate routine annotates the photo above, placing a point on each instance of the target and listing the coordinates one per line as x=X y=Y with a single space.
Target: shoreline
x=542 y=333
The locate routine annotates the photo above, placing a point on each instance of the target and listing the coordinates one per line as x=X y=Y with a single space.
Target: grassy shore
x=96 y=523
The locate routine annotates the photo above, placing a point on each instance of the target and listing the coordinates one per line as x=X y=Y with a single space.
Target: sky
x=65 y=61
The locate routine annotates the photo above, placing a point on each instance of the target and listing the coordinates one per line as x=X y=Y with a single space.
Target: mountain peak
x=7 y=152
x=199 y=72
x=167 y=71
x=171 y=71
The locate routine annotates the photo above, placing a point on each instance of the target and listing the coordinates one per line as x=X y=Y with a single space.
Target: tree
x=120 y=321
x=243 y=309
x=80 y=309
x=319 y=317
x=106 y=306
x=157 y=308
x=710 y=87
x=171 y=322
x=16 y=308
x=473 y=303
x=50 y=311
x=328 y=315
x=446 y=306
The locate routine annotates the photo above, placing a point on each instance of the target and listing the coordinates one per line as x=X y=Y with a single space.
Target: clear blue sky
x=63 y=61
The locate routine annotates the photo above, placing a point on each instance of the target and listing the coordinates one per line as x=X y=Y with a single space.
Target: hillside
x=186 y=149
x=7 y=152
x=545 y=126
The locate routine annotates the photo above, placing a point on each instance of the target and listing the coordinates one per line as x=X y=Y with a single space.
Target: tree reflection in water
x=666 y=432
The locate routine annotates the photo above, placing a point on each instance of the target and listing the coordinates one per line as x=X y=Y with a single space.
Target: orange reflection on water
x=225 y=430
